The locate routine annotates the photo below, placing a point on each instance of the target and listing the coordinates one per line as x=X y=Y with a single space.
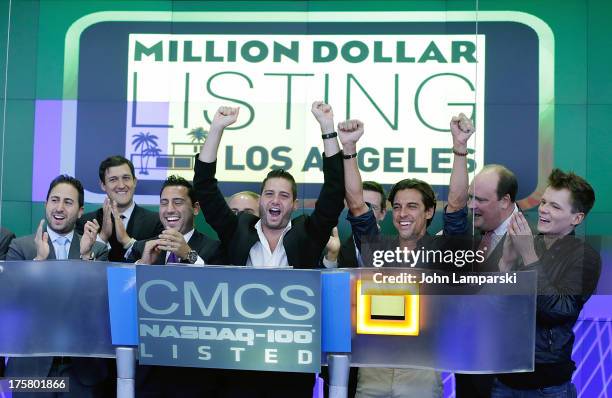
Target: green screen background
x=583 y=81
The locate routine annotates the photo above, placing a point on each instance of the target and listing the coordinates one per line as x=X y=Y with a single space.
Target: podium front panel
x=54 y=308
x=457 y=327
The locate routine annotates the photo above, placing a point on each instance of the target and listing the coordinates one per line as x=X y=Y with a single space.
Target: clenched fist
x=350 y=131
x=325 y=116
x=225 y=116
x=462 y=129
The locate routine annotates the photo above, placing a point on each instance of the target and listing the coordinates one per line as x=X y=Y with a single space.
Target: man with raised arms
x=274 y=240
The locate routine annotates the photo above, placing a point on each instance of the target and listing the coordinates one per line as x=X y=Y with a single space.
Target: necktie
x=62 y=243
x=485 y=243
x=172 y=258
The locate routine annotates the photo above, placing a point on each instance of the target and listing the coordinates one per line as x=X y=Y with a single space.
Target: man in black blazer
x=122 y=221
x=491 y=198
x=343 y=254
x=246 y=235
x=274 y=240
x=59 y=241
x=179 y=242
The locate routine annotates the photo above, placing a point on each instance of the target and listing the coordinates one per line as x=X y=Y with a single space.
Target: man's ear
x=296 y=204
x=429 y=213
x=81 y=211
x=103 y=187
x=196 y=208
x=383 y=211
x=506 y=202
x=577 y=218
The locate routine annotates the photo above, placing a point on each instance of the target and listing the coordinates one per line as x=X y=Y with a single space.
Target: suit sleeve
x=455 y=223
x=214 y=207
x=15 y=252
x=331 y=199
x=561 y=301
x=136 y=251
x=100 y=251
x=5 y=240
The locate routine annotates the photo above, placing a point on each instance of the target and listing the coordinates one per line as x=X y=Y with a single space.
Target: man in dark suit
x=122 y=221
x=6 y=237
x=59 y=241
x=343 y=254
x=299 y=241
x=491 y=198
x=179 y=242
x=274 y=240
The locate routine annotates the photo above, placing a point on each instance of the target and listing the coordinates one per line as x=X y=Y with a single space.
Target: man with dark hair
x=299 y=241
x=272 y=240
x=63 y=207
x=343 y=254
x=413 y=203
x=122 y=221
x=246 y=201
x=374 y=194
x=179 y=242
x=58 y=241
x=568 y=271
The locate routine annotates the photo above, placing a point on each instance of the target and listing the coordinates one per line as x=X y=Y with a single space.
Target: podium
x=283 y=320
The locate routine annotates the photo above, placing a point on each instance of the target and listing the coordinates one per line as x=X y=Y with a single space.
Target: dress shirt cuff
x=107 y=244
x=329 y=264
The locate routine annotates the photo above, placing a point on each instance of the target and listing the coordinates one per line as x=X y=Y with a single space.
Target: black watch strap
x=330 y=135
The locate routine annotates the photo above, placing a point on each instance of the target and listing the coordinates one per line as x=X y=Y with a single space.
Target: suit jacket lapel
x=75 y=247
x=161 y=260
x=195 y=240
x=131 y=223
x=51 y=250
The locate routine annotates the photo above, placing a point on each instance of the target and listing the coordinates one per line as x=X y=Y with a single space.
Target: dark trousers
x=473 y=386
x=565 y=390
x=255 y=384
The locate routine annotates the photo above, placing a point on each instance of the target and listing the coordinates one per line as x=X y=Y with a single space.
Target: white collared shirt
x=53 y=236
x=261 y=256
x=127 y=213
x=500 y=231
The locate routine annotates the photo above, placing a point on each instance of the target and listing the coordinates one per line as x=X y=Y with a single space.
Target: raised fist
x=325 y=116
x=225 y=116
x=350 y=131
x=462 y=129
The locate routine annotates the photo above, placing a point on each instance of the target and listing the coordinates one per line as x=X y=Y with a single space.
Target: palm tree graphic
x=198 y=135
x=147 y=144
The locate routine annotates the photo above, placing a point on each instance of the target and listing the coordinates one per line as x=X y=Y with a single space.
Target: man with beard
x=58 y=241
x=122 y=221
x=274 y=240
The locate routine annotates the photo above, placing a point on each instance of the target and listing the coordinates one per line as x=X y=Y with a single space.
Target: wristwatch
x=192 y=257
